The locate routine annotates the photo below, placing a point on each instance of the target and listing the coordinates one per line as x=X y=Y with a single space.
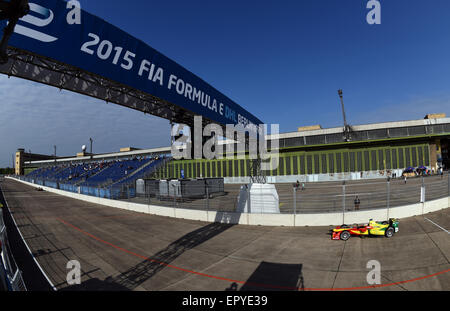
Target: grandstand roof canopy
x=105 y=156
x=376 y=131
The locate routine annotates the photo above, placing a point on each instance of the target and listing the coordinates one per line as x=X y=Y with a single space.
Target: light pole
x=90 y=139
x=347 y=128
x=55 y=152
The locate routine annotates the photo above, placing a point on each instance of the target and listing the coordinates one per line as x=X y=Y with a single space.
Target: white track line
x=37 y=196
x=37 y=263
x=437 y=225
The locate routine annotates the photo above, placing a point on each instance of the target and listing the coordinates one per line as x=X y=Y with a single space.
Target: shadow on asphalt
x=148 y=268
x=95 y=284
x=273 y=277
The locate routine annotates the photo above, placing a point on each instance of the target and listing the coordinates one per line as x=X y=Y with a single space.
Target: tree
x=6 y=171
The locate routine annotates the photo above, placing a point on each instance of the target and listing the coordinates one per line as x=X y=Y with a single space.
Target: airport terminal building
x=315 y=154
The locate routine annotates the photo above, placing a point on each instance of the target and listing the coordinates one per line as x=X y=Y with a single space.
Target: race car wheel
x=389 y=232
x=345 y=235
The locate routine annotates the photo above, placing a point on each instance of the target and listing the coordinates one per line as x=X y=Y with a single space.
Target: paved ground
x=123 y=250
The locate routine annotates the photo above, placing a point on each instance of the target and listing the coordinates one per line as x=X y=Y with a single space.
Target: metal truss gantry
x=26 y=65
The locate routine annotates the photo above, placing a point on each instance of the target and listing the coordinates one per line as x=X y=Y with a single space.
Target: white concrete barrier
x=268 y=220
x=435 y=205
x=313 y=220
x=289 y=220
x=191 y=214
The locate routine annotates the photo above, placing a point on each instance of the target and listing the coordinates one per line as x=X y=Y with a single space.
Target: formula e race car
x=386 y=228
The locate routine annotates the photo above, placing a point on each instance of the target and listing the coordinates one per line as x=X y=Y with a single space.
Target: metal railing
x=328 y=197
x=10 y=273
x=17 y=283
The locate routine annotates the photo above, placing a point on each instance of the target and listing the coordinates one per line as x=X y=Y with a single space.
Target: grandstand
x=106 y=178
x=95 y=173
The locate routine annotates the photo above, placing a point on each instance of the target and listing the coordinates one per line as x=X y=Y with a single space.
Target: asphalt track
x=124 y=250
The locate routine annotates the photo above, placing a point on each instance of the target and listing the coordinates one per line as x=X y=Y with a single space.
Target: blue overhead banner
x=55 y=30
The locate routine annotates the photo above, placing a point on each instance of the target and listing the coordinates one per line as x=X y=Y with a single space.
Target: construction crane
x=347 y=128
x=12 y=11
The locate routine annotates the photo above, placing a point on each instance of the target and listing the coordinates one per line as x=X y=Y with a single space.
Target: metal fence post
x=343 y=203
x=249 y=208
x=262 y=203
x=174 y=197
x=388 y=197
x=422 y=195
x=207 y=198
x=295 y=201
x=448 y=184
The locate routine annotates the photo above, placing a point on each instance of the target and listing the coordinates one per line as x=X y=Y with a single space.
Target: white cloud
x=414 y=108
x=36 y=117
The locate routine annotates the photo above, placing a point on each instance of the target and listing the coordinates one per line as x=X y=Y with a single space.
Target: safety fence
x=357 y=196
x=302 y=198
x=115 y=192
x=10 y=275
x=318 y=197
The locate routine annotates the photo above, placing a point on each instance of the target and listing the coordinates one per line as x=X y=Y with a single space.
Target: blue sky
x=282 y=60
